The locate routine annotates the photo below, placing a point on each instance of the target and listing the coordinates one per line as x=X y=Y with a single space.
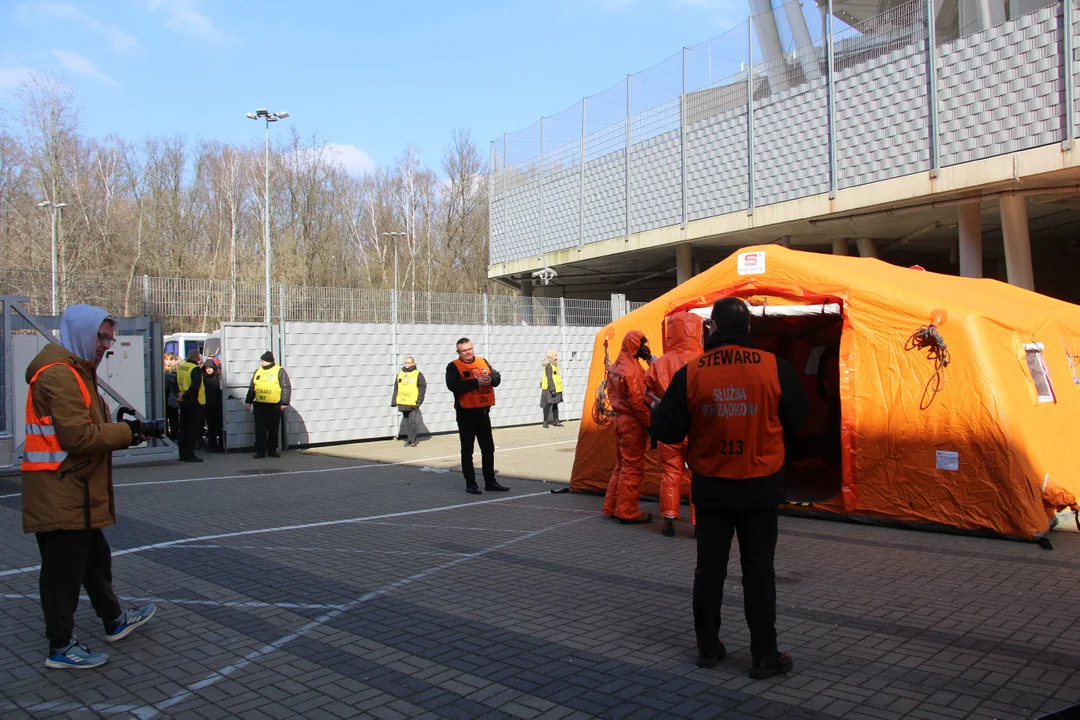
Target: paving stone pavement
x=387 y=592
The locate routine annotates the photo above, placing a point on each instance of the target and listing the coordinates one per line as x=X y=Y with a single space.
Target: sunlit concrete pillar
x=839 y=246
x=971 y=264
x=684 y=263
x=867 y=248
x=1014 y=228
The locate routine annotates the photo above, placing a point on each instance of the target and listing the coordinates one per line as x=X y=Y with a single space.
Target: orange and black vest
x=42 y=449
x=733 y=394
x=480 y=397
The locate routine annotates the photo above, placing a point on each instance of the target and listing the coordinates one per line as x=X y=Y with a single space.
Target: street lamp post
x=395 y=235
x=269 y=117
x=54 y=209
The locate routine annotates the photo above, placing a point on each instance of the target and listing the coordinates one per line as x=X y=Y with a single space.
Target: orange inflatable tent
x=988 y=443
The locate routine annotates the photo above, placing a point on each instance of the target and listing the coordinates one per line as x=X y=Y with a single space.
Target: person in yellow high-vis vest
x=189 y=377
x=551 y=389
x=269 y=393
x=409 y=391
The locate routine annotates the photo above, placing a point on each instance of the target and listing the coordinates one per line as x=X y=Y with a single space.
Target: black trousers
x=191 y=427
x=757 y=531
x=71 y=559
x=551 y=413
x=475 y=423
x=172 y=422
x=213 y=427
x=267 y=423
x=411 y=420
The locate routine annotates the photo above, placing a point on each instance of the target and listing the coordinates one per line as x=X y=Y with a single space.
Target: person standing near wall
x=269 y=393
x=409 y=391
x=472 y=380
x=682 y=343
x=551 y=389
x=739 y=408
x=214 y=419
x=192 y=397
x=172 y=397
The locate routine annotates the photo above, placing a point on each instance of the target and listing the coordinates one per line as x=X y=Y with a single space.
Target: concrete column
x=1014 y=228
x=971 y=264
x=839 y=246
x=867 y=248
x=526 y=301
x=683 y=263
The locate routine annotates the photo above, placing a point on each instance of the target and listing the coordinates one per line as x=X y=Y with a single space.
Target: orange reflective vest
x=480 y=397
x=733 y=393
x=42 y=450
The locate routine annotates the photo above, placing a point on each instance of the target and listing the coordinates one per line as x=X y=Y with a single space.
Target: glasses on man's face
x=106 y=340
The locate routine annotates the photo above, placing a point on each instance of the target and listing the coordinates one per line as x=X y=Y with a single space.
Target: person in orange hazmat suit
x=626 y=393
x=682 y=343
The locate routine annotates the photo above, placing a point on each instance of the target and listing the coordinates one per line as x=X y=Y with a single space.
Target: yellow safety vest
x=267 y=385
x=183 y=380
x=408 y=392
x=555 y=376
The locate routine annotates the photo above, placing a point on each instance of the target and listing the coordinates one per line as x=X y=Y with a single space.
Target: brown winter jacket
x=58 y=500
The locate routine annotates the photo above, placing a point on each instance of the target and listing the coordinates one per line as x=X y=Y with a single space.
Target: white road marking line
x=154 y=710
x=283 y=528
x=316 y=471
x=210 y=603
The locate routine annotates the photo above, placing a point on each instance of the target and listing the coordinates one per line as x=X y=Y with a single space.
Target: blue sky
x=370 y=77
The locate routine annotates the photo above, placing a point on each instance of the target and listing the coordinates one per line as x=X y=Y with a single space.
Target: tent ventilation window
x=1040 y=373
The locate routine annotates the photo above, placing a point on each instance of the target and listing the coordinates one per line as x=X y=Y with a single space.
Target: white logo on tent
x=752 y=263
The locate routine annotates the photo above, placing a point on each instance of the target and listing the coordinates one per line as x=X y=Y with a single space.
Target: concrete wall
x=1001 y=90
x=343 y=374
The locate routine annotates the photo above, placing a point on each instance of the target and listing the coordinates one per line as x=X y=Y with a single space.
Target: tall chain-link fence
x=201 y=305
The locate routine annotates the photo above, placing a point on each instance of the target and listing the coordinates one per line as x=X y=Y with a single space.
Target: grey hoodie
x=79 y=327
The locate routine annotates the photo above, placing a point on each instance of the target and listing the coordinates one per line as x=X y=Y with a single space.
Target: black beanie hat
x=267 y=357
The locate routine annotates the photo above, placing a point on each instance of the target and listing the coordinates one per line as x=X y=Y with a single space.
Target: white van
x=180 y=344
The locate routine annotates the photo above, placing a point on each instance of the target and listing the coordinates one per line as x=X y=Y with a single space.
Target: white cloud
x=182 y=17
x=12 y=77
x=118 y=40
x=351 y=158
x=81 y=65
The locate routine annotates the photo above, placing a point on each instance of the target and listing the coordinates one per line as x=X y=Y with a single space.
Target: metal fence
x=202 y=304
x=654 y=150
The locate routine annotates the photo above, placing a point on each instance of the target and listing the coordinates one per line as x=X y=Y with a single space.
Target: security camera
x=546 y=275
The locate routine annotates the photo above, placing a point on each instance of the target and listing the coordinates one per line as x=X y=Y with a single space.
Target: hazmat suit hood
x=632 y=342
x=683 y=333
x=79 y=328
x=682 y=344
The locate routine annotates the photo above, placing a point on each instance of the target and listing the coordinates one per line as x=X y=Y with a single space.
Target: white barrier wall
x=343 y=373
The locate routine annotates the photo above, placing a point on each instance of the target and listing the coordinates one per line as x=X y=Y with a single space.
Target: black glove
x=136 y=430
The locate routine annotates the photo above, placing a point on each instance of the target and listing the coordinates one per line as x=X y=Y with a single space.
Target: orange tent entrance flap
x=968 y=445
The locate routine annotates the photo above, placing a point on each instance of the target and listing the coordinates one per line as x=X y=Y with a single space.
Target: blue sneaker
x=75 y=657
x=131 y=619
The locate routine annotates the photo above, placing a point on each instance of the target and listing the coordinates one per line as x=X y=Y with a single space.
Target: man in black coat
x=741 y=408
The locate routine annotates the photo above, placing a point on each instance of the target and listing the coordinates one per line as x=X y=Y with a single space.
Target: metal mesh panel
x=196 y=304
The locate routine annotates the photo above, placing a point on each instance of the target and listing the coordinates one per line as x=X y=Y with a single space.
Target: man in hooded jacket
x=67 y=487
x=626 y=393
x=682 y=343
